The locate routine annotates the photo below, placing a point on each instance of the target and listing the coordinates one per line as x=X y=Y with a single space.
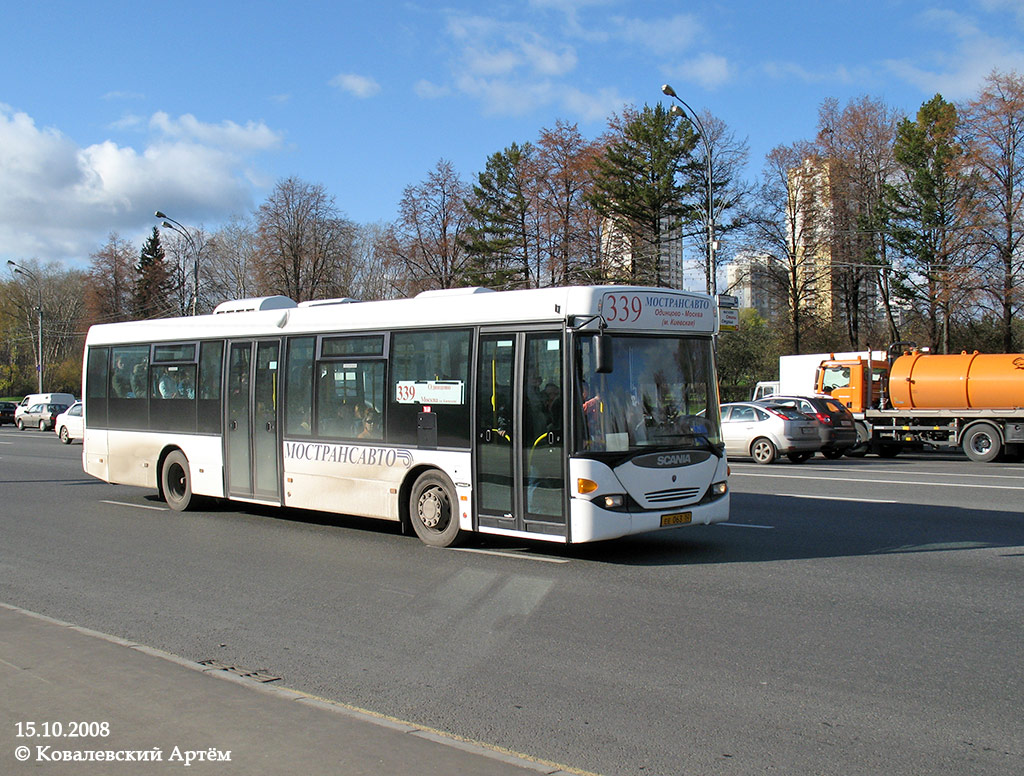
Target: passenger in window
x=371 y=425
x=138 y=390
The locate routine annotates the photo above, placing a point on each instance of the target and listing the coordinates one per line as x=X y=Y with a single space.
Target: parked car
x=835 y=422
x=7 y=412
x=762 y=433
x=69 y=425
x=41 y=416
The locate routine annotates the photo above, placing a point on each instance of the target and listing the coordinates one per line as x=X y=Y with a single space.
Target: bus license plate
x=676 y=518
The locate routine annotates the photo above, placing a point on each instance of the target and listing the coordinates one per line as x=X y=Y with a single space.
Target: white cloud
x=59 y=200
x=357 y=85
x=958 y=69
x=429 y=90
x=708 y=70
x=662 y=36
x=254 y=136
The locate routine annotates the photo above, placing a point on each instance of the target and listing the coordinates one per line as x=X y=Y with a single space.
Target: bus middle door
x=252 y=440
x=520 y=461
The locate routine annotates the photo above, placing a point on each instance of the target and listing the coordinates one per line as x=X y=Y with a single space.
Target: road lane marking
x=137 y=506
x=882 y=482
x=840 y=498
x=746 y=525
x=501 y=554
x=1012 y=473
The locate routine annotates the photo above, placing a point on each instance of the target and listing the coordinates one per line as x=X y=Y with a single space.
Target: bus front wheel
x=176 y=481
x=433 y=510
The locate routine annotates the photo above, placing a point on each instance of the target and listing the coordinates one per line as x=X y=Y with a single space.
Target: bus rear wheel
x=176 y=481
x=433 y=510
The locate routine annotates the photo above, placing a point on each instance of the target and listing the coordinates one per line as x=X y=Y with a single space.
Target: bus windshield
x=660 y=393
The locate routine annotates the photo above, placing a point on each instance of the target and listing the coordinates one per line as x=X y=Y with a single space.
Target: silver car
x=764 y=432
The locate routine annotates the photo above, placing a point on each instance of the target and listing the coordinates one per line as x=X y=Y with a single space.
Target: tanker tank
x=957 y=382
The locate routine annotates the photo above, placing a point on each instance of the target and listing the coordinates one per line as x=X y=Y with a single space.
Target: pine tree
x=152 y=290
x=641 y=187
x=499 y=239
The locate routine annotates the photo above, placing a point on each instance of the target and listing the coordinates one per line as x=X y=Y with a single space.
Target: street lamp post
x=712 y=280
x=170 y=223
x=18 y=269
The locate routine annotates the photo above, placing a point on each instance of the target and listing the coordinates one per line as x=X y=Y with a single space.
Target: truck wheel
x=176 y=481
x=860 y=449
x=434 y=511
x=889 y=449
x=763 y=450
x=982 y=443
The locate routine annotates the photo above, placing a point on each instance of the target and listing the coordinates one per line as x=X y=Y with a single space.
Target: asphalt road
x=855 y=617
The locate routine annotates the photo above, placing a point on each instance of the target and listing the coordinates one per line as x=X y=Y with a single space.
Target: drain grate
x=257 y=675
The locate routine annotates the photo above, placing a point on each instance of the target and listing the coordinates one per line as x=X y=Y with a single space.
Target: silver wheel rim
x=430 y=508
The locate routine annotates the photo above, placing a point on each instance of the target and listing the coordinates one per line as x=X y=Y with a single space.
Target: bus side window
x=208 y=411
x=96 y=388
x=425 y=359
x=298 y=409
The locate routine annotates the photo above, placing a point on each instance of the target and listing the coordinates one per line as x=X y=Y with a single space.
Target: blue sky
x=112 y=110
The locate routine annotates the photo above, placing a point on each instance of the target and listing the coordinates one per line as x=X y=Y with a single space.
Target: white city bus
x=564 y=414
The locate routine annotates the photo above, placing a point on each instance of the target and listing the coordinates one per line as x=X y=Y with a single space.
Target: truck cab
x=859 y=384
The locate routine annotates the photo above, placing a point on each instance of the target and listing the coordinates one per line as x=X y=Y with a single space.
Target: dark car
x=41 y=416
x=835 y=423
x=7 y=412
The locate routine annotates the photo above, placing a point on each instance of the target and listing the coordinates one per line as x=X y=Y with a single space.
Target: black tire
x=889 y=449
x=860 y=449
x=176 y=481
x=433 y=510
x=19 y=424
x=799 y=457
x=65 y=437
x=832 y=453
x=763 y=450
x=981 y=443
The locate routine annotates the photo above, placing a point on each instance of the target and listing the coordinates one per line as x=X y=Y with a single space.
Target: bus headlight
x=613 y=501
x=719 y=488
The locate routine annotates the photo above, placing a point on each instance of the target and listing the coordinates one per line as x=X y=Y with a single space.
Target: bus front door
x=520 y=456
x=252 y=441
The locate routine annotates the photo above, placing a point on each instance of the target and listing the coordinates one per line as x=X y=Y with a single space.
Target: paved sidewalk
x=154 y=712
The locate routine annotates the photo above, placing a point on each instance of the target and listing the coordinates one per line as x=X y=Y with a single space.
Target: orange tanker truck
x=916 y=399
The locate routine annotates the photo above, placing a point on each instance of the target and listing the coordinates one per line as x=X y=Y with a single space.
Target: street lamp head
x=675 y=110
x=160 y=214
x=10 y=263
x=668 y=90
x=167 y=225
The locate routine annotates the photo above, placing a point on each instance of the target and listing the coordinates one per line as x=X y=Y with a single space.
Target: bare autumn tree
x=722 y=216
x=571 y=235
x=304 y=242
x=62 y=294
x=857 y=143
x=994 y=126
x=427 y=238
x=230 y=263
x=108 y=294
x=788 y=227
x=379 y=275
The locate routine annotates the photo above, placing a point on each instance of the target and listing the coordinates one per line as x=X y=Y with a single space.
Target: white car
x=762 y=433
x=69 y=425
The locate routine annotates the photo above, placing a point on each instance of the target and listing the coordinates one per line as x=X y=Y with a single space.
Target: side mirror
x=603 y=353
